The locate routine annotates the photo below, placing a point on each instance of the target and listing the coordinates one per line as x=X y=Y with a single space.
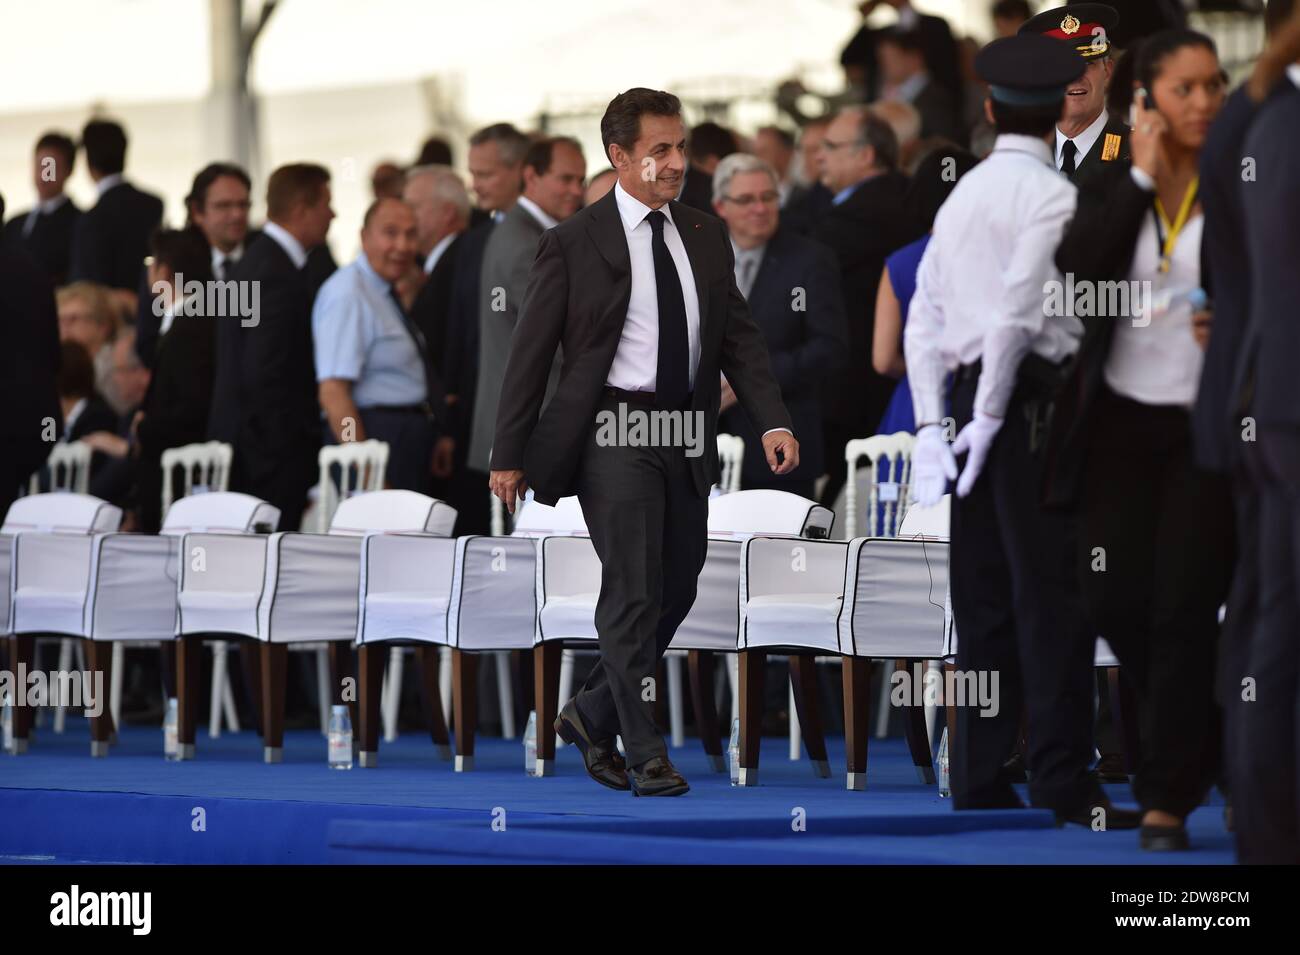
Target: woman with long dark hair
x=1156 y=530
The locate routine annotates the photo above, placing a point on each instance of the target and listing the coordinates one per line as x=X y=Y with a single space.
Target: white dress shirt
x=431 y=261
x=1160 y=363
x=70 y=419
x=980 y=290
x=537 y=212
x=748 y=262
x=1083 y=142
x=636 y=362
x=107 y=183
x=292 y=247
x=226 y=260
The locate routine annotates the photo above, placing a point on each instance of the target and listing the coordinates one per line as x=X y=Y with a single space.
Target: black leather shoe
x=657 y=777
x=1163 y=838
x=1110 y=769
x=1115 y=817
x=602 y=760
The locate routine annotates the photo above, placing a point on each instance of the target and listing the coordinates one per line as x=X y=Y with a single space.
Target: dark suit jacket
x=460 y=360
x=96 y=416
x=862 y=231
x=697 y=191
x=264 y=395
x=112 y=238
x=805 y=209
x=1093 y=168
x=937 y=45
x=50 y=243
x=939 y=113
x=805 y=345
x=431 y=309
x=1273 y=241
x=1216 y=418
x=29 y=363
x=176 y=406
x=577 y=296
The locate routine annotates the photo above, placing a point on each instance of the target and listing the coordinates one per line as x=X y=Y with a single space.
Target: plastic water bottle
x=171 y=731
x=530 y=744
x=340 y=737
x=944 y=789
x=733 y=752
x=7 y=720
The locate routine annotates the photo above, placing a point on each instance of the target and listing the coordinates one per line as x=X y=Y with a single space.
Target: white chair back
x=927 y=522
x=744 y=514
x=61 y=512
x=392 y=512
x=535 y=519
x=889 y=456
x=68 y=467
x=205 y=466
x=361 y=467
x=220 y=512
x=731 y=458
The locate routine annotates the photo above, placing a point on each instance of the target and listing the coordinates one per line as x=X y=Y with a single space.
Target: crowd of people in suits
x=854 y=234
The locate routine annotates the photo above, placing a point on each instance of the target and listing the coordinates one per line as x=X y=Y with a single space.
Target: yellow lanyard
x=1174 y=229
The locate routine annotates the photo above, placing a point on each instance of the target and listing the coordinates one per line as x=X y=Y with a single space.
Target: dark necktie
x=1068 y=152
x=418 y=338
x=672 y=374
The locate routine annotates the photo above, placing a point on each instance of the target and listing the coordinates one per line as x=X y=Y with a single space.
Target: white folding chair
x=731 y=460
x=67 y=468
x=48 y=548
x=886 y=494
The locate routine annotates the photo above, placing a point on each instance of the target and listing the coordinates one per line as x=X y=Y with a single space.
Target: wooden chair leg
x=22 y=656
x=250 y=664
x=699 y=665
x=803 y=678
x=342 y=665
x=167 y=666
x=189 y=690
x=546 y=701
x=464 y=704
x=274 y=661
x=99 y=658
x=857 y=718
x=370 y=680
x=1124 y=711
x=918 y=740
x=431 y=698
x=752 y=664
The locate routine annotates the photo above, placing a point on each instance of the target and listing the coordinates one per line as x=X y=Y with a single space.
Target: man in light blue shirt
x=374 y=379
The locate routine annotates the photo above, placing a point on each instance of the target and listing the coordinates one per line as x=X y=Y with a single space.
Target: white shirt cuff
x=775 y=430
x=1142 y=180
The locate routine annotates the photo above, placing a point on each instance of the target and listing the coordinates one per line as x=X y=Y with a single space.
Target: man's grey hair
x=730 y=166
x=446 y=186
x=511 y=143
x=876 y=133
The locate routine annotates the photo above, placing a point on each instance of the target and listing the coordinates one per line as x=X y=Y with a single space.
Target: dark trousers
x=410 y=435
x=1164 y=529
x=1266 y=800
x=1239 y=625
x=1019 y=615
x=649 y=527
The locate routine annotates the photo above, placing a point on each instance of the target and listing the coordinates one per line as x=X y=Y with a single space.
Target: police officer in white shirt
x=980 y=309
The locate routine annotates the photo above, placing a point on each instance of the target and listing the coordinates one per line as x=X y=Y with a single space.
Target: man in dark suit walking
x=793 y=290
x=112 y=237
x=640 y=291
x=264 y=395
x=45 y=231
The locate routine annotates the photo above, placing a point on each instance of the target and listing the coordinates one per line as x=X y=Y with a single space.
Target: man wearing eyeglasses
x=792 y=287
x=858 y=163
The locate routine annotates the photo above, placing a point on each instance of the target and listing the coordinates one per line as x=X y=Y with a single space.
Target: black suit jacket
x=1094 y=167
x=29 y=363
x=807 y=339
x=176 y=406
x=1273 y=241
x=937 y=45
x=805 y=209
x=96 y=416
x=112 y=238
x=264 y=398
x=431 y=310
x=50 y=243
x=460 y=356
x=940 y=115
x=697 y=191
x=577 y=296
x=862 y=231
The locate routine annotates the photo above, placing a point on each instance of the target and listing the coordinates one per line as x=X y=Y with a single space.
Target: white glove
x=975 y=440
x=933 y=466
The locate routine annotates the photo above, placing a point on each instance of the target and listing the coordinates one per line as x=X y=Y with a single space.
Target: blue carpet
x=59 y=805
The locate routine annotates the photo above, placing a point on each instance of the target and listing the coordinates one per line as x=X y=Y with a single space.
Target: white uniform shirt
x=981 y=290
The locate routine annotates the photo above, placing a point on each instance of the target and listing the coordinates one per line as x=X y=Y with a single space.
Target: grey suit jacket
x=508 y=256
